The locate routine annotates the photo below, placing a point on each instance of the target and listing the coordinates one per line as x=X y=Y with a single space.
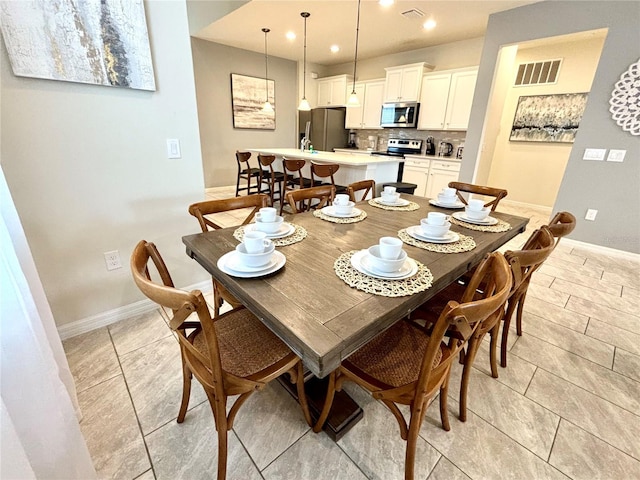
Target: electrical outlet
x=591 y=214
x=112 y=259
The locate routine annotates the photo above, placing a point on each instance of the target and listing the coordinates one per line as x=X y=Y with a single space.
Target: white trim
x=527 y=205
x=600 y=249
x=103 y=319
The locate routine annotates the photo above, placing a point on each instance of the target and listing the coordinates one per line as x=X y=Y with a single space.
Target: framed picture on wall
x=548 y=118
x=248 y=94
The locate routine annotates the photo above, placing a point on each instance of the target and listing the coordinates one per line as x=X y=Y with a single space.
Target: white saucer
x=400 y=203
x=416 y=232
x=230 y=265
x=329 y=210
x=464 y=218
x=360 y=263
x=436 y=203
x=285 y=230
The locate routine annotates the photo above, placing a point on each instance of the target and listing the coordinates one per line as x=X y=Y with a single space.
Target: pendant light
x=304 y=103
x=266 y=107
x=353 y=98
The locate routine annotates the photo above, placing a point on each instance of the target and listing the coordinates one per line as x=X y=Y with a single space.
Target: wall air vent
x=413 y=13
x=538 y=73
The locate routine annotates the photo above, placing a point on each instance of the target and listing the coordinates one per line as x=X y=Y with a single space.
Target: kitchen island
x=353 y=166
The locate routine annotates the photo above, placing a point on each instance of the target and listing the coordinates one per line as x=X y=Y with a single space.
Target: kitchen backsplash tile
x=454 y=137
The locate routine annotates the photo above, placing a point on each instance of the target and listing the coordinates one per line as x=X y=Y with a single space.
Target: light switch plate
x=173 y=148
x=616 y=155
x=594 y=153
x=591 y=214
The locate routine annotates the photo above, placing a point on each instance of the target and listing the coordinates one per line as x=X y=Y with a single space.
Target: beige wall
x=531 y=171
x=213 y=64
x=88 y=171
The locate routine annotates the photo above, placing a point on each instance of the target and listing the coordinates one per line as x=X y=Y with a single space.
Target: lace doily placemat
x=329 y=218
x=387 y=288
x=465 y=244
x=501 y=226
x=405 y=208
x=299 y=234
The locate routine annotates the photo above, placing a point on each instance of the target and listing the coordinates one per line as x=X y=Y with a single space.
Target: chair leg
x=220 y=418
x=328 y=401
x=302 y=395
x=505 y=330
x=186 y=389
x=492 y=349
x=519 y=314
x=412 y=440
x=444 y=411
x=472 y=348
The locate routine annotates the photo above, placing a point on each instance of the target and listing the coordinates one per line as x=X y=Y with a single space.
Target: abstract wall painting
x=548 y=118
x=247 y=96
x=103 y=42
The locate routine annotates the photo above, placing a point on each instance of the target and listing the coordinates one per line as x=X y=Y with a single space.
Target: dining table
x=314 y=311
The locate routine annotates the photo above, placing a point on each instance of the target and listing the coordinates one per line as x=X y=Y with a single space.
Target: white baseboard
x=103 y=319
x=527 y=205
x=612 y=252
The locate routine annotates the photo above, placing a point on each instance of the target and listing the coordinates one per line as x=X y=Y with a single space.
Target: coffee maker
x=430 y=148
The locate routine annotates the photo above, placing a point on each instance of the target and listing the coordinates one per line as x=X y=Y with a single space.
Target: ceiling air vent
x=413 y=13
x=538 y=73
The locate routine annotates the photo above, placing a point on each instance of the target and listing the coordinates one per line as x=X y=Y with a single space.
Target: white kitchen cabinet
x=332 y=91
x=367 y=115
x=416 y=171
x=445 y=100
x=403 y=83
x=440 y=174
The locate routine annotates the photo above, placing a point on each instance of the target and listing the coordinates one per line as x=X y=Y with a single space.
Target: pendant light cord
x=266 y=64
x=355 y=60
x=304 y=74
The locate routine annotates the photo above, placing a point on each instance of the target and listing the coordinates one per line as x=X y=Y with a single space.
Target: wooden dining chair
x=273 y=179
x=561 y=225
x=302 y=200
x=406 y=366
x=497 y=193
x=234 y=354
x=294 y=177
x=325 y=171
x=246 y=172
x=200 y=210
x=365 y=186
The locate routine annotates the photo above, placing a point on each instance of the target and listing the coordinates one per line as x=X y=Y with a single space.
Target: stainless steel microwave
x=400 y=115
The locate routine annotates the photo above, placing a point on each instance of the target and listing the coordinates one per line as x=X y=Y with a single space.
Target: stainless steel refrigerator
x=327 y=128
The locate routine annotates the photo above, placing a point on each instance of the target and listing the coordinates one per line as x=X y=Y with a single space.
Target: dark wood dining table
x=314 y=312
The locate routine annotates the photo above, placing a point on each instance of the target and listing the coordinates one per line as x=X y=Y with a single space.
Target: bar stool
x=326 y=170
x=293 y=177
x=246 y=172
x=271 y=177
x=402 y=187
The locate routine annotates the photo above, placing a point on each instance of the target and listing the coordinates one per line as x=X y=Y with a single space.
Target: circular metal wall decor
x=625 y=100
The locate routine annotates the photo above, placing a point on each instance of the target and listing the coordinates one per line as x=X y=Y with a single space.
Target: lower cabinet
x=417 y=171
x=430 y=176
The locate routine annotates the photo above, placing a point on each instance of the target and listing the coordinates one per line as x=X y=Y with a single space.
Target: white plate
x=359 y=262
x=329 y=210
x=400 y=203
x=285 y=230
x=458 y=204
x=228 y=264
x=416 y=232
x=463 y=217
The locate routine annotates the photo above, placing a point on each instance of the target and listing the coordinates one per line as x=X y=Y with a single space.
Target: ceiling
x=383 y=30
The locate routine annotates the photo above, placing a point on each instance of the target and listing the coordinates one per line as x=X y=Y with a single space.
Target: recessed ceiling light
x=291 y=36
x=385 y=3
x=429 y=24
x=335 y=48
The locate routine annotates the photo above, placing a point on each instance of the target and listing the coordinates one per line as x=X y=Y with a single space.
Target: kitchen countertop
x=433 y=157
x=353 y=159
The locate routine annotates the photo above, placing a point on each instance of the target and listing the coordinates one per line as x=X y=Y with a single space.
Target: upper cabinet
x=367 y=115
x=446 y=98
x=403 y=83
x=332 y=91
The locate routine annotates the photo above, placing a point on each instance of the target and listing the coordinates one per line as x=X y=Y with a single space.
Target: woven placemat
x=387 y=288
x=299 y=234
x=405 y=208
x=501 y=226
x=329 y=218
x=465 y=244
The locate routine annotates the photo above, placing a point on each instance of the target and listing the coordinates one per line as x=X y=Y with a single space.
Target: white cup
x=266 y=214
x=341 y=199
x=476 y=205
x=389 y=190
x=436 y=218
x=255 y=242
x=390 y=247
x=448 y=192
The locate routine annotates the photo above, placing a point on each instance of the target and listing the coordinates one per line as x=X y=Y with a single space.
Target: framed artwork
x=247 y=96
x=99 y=42
x=548 y=118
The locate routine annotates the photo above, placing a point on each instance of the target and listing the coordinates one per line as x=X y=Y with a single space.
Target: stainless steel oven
x=400 y=115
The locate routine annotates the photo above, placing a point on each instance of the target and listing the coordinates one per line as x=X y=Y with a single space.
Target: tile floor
x=567 y=405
